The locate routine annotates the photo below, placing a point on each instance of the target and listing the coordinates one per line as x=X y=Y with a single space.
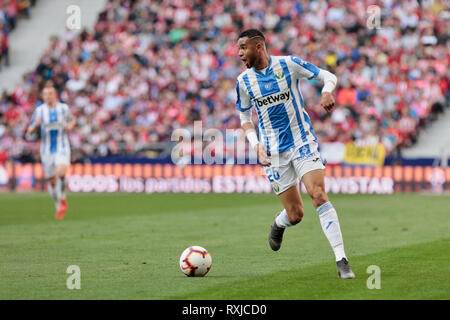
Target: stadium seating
x=10 y=12
x=151 y=67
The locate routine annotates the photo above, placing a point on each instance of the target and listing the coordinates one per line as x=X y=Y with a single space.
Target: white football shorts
x=51 y=161
x=291 y=166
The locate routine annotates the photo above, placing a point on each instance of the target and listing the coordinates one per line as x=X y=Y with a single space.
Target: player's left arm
x=70 y=119
x=304 y=69
x=329 y=81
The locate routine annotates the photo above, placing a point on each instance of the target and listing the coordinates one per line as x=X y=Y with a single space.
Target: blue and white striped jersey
x=283 y=122
x=53 y=120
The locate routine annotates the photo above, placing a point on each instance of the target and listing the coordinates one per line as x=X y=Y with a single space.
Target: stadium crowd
x=10 y=12
x=150 y=67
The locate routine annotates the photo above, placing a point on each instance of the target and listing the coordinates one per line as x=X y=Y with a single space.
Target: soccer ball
x=195 y=261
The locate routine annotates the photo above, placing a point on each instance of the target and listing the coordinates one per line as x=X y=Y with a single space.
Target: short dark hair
x=252 y=33
x=49 y=84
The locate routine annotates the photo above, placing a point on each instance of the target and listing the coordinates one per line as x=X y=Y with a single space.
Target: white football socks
x=282 y=220
x=61 y=185
x=330 y=226
x=54 y=193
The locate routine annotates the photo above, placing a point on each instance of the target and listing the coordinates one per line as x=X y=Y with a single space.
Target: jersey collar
x=267 y=69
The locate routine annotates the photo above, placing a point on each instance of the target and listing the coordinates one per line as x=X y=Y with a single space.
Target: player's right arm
x=244 y=107
x=35 y=122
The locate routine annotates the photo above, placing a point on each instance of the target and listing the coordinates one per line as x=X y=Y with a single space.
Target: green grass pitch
x=128 y=247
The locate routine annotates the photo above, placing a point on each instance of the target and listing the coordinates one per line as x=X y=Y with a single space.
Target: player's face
x=248 y=51
x=49 y=95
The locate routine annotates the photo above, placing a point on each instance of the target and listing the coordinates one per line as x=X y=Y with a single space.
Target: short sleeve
x=304 y=69
x=243 y=102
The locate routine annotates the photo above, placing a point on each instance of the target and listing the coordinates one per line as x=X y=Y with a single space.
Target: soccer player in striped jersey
x=55 y=120
x=287 y=146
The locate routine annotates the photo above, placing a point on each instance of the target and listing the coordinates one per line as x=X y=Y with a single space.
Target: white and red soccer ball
x=195 y=261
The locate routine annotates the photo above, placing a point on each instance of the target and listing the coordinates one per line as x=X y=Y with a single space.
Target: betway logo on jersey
x=274 y=99
x=53 y=125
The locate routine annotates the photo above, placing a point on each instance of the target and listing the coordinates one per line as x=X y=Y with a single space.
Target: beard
x=250 y=62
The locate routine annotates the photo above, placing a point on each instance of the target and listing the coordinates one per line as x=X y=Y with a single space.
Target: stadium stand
x=10 y=12
x=151 y=67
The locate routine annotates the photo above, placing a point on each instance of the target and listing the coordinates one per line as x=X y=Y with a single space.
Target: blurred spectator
x=4 y=45
x=10 y=11
x=24 y=6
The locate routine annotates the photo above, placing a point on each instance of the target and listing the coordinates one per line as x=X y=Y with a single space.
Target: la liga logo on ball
x=195 y=261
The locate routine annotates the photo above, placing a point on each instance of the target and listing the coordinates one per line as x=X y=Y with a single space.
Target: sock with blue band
x=330 y=226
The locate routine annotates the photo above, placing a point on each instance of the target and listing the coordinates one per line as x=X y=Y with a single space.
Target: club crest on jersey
x=279 y=74
x=274 y=99
x=268 y=86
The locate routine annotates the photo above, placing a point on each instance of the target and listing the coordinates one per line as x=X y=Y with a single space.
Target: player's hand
x=30 y=130
x=327 y=101
x=261 y=152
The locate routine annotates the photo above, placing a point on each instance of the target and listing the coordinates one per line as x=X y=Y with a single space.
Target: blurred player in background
x=287 y=145
x=54 y=119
